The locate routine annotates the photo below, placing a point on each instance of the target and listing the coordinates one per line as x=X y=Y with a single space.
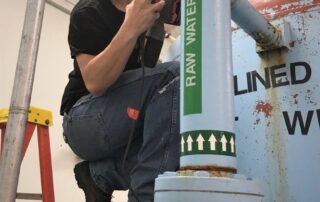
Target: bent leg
x=97 y=128
x=161 y=139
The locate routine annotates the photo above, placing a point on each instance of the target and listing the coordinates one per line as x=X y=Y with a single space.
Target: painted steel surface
x=170 y=187
x=277 y=102
x=206 y=112
x=273 y=9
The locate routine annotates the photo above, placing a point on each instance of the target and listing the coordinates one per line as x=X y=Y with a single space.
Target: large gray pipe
x=11 y=155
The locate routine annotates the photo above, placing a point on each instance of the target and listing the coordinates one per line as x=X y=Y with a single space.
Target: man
x=104 y=96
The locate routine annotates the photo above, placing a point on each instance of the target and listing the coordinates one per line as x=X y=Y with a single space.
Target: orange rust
x=209 y=169
x=211 y=173
x=264 y=107
x=273 y=9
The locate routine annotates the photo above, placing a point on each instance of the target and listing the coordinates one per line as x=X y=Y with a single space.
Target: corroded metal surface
x=277 y=105
x=278 y=8
x=275 y=142
x=214 y=170
x=277 y=101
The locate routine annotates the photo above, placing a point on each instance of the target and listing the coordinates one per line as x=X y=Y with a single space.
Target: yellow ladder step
x=36 y=115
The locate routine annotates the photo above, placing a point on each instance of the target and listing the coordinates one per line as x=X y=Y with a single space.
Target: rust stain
x=295 y=97
x=291 y=44
x=264 y=107
x=211 y=173
x=212 y=169
x=303 y=29
x=274 y=149
x=257 y=121
x=278 y=8
x=309 y=98
x=268 y=105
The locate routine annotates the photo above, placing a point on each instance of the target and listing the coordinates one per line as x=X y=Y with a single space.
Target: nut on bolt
x=47 y=122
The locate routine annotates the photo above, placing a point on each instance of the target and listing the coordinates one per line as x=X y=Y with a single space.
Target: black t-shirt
x=93 y=24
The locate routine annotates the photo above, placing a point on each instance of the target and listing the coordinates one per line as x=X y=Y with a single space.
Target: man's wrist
x=129 y=31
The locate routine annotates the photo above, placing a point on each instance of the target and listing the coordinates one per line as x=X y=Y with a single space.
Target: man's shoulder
x=87 y=6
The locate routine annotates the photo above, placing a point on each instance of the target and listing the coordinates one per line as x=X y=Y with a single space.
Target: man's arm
x=101 y=71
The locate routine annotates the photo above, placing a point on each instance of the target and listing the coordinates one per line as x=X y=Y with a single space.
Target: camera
x=170 y=14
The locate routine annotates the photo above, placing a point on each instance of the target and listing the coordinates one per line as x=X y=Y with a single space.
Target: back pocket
x=88 y=137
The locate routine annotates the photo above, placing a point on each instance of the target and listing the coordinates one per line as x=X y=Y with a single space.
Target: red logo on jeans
x=133 y=113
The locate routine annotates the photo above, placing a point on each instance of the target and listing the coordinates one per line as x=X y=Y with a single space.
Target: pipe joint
x=282 y=39
x=267 y=36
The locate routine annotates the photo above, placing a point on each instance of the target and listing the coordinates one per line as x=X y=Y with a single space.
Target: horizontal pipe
x=59 y=7
x=254 y=24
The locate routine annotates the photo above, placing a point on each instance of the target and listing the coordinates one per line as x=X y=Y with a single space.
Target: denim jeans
x=97 y=129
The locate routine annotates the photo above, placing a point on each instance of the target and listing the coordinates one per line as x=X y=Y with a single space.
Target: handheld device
x=170 y=14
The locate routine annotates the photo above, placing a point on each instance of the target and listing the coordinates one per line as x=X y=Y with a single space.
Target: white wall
x=53 y=66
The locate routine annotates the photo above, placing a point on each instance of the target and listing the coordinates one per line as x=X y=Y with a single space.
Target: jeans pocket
x=87 y=136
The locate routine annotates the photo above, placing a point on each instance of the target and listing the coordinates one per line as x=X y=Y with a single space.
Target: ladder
x=42 y=120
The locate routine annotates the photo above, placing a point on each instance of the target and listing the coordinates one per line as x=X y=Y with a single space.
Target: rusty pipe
x=253 y=23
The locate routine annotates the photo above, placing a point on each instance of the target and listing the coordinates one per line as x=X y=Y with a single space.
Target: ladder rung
x=29 y=196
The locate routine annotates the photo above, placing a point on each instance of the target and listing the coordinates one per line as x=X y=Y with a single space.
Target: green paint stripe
x=192 y=57
x=212 y=143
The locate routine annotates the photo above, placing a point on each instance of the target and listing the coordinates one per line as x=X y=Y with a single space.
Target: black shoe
x=92 y=192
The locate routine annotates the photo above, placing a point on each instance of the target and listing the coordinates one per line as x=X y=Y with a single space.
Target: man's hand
x=141 y=15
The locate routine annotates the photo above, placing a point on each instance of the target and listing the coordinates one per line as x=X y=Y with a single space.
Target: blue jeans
x=97 y=129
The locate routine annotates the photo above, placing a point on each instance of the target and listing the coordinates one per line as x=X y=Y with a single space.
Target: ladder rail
x=10 y=161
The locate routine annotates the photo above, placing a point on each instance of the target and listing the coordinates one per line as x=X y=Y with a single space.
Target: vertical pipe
x=207 y=107
x=10 y=161
x=206 y=112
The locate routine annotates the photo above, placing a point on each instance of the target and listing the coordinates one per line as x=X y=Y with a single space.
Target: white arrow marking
x=212 y=141
x=189 y=141
x=182 y=144
x=200 y=141
x=232 y=145
x=224 y=143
